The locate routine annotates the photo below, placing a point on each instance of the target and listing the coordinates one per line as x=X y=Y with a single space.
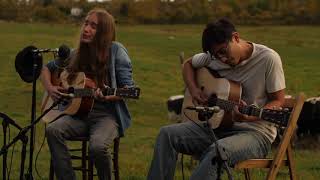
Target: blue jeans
x=239 y=144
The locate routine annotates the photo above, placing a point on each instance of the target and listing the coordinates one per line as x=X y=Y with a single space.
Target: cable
x=36 y=160
x=7 y=151
x=9 y=170
x=182 y=166
x=184 y=112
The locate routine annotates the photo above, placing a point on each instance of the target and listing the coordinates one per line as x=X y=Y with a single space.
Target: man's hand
x=237 y=116
x=198 y=97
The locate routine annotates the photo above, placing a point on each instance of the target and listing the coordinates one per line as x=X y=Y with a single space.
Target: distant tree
x=167 y=11
x=124 y=9
x=313 y=9
x=9 y=9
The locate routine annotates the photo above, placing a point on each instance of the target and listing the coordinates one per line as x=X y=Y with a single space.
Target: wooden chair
x=86 y=165
x=273 y=165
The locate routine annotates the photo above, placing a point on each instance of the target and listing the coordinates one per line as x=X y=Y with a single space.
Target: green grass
x=154 y=51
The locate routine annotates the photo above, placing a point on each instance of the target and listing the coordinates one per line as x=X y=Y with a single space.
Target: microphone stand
x=4 y=158
x=6 y=121
x=22 y=136
x=204 y=115
x=29 y=175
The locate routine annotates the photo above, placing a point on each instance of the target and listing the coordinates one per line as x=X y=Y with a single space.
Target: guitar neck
x=274 y=116
x=110 y=91
x=89 y=92
x=229 y=106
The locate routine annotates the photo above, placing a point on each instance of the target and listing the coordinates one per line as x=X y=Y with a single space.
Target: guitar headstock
x=279 y=117
x=132 y=92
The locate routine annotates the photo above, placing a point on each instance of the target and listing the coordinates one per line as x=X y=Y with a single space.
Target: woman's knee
x=53 y=131
x=99 y=150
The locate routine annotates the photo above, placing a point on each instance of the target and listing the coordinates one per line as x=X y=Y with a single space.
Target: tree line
x=167 y=11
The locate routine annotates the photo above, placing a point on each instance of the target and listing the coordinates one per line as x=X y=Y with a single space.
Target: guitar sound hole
x=64 y=105
x=212 y=101
x=71 y=90
x=65 y=102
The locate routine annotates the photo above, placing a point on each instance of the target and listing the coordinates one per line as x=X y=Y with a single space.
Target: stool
x=87 y=170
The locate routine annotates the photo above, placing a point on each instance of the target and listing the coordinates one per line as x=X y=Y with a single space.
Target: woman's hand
x=54 y=92
x=98 y=95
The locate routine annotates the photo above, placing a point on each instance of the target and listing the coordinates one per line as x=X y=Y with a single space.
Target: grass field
x=154 y=52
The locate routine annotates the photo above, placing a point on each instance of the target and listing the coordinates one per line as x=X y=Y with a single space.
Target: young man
x=107 y=63
x=259 y=70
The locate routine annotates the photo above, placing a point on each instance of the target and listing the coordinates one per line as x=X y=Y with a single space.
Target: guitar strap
x=214 y=73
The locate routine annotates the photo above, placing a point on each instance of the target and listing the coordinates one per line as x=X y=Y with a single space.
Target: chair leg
x=90 y=170
x=84 y=160
x=291 y=164
x=51 y=172
x=247 y=174
x=181 y=161
x=115 y=159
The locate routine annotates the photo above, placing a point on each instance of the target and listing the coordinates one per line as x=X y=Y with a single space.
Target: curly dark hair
x=216 y=33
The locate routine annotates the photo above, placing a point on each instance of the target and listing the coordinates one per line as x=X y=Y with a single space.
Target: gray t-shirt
x=258 y=75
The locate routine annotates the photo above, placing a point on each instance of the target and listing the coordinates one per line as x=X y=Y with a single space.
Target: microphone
x=44 y=50
x=67 y=95
x=9 y=120
x=214 y=109
x=63 y=51
x=31 y=57
x=63 y=54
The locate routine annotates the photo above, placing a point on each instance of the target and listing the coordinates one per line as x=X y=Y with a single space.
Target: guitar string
x=229 y=105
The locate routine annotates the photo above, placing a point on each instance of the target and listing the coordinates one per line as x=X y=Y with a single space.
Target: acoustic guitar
x=226 y=95
x=79 y=96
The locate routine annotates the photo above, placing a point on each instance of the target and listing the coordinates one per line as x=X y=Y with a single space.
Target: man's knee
x=165 y=132
x=171 y=131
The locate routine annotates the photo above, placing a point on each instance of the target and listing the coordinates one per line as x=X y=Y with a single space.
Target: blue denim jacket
x=120 y=73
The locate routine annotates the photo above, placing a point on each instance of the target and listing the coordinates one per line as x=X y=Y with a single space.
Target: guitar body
x=213 y=86
x=79 y=96
x=47 y=101
x=79 y=105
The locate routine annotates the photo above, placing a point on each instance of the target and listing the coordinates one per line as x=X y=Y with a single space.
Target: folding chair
x=273 y=165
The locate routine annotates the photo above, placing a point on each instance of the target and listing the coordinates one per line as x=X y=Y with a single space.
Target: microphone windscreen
x=24 y=63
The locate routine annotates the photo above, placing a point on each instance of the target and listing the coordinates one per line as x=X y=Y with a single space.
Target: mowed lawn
x=154 y=50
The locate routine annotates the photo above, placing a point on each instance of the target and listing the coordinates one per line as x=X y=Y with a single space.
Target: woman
x=107 y=63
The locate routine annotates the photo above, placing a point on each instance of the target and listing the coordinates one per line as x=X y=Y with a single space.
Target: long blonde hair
x=92 y=58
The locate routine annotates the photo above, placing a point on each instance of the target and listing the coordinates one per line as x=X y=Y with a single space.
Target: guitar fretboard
x=88 y=92
x=274 y=116
x=229 y=106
